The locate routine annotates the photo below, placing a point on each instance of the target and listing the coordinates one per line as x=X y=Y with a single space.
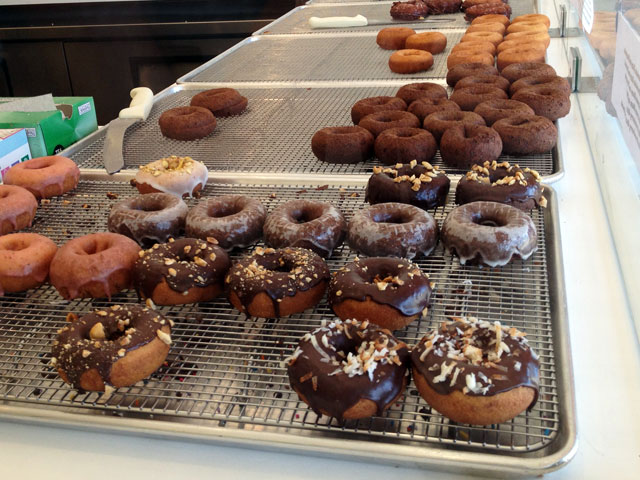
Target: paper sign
x=41 y=103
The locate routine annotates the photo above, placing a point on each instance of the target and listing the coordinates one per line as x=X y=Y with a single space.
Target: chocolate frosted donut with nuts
x=370 y=105
x=400 y=145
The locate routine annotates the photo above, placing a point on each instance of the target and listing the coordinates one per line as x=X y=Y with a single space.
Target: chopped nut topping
x=173 y=272
x=97 y=332
x=200 y=261
x=165 y=337
x=169 y=261
x=85 y=353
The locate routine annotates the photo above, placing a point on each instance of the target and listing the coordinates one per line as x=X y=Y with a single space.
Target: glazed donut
x=489 y=232
x=433 y=42
x=24 y=261
x=410 y=61
x=149 y=218
x=521 y=42
x=112 y=347
x=376 y=123
x=519 y=70
x=179 y=176
x=464 y=145
x=401 y=145
x=490 y=80
x=96 y=265
x=409 y=10
x=465 y=57
x=342 y=144
x=476 y=372
x=491 y=18
x=277 y=283
x=187 y=123
x=423 y=107
x=437 y=123
x=533 y=17
x=389 y=292
x=222 y=102
x=393 y=38
x=44 y=177
x=550 y=81
x=369 y=105
x=526 y=134
x=492 y=37
x=467 y=70
x=532 y=37
x=502 y=183
x=317 y=226
x=440 y=7
x=494 y=110
x=469 y=97
x=519 y=55
x=17 y=208
x=527 y=27
x=548 y=102
x=183 y=271
x=419 y=184
x=472 y=3
x=235 y=221
x=349 y=370
x=475 y=47
x=415 y=91
x=392 y=230
x=487 y=27
x=476 y=11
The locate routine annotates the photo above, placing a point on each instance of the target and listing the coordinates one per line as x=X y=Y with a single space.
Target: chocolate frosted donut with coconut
x=179 y=176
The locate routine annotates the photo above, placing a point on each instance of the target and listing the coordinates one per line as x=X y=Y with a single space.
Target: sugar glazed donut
x=222 y=102
x=526 y=134
x=187 y=123
x=44 y=177
x=392 y=230
x=494 y=110
x=369 y=105
x=423 y=107
x=402 y=145
x=437 y=123
x=17 y=208
x=349 y=370
x=376 y=123
x=389 y=292
x=24 y=261
x=410 y=60
x=179 y=176
x=490 y=233
x=96 y=265
x=277 y=283
x=476 y=372
x=432 y=42
x=464 y=145
x=112 y=347
x=517 y=71
x=440 y=7
x=455 y=74
x=416 y=91
x=393 y=38
x=469 y=97
x=409 y=10
x=183 y=271
x=342 y=144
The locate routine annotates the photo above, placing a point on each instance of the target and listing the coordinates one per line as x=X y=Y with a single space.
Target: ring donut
x=369 y=105
x=494 y=110
x=410 y=61
x=517 y=71
x=17 y=208
x=519 y=55
x=432 y=42
x=533 y=17
x=394 y=38
x=475 y=47
x=469 y=97
x=438 y=122
x=44 y=177
x=545 y=101
x=342 y=144
x=423 y=107
x=187 y=123
x=463 y=57
x=527 y=27
x=222 y=102
x=490 y=18
x=376 y=123
x=24 y=261
x=468 y=69
x=487 y=27
x=526 y=134
x=414 y=91
x=403 y=144
x=465 y=145
x=492 y=37
x=489 y=80
x=550 y=81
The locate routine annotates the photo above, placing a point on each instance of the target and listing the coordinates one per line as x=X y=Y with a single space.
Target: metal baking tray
x=274 y=135
x=224 y=383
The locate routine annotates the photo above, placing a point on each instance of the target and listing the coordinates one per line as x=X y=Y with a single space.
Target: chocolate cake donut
x=494 y=110
x=423 y=107
x=437 y=123
x=409 y=10
x=526 y=134
x=401 y=145
x=342 y=144
x=467 y=70
x=465 y=145
x=476 y=11
x=414 y=91
x=487 y=80
x=469 y=97
x=222 y=102
x=440 y=7
x=187 y=123
x=551 y=81
x=366 y=106
x=517 y=71
x=376 y=123
x=545 y=101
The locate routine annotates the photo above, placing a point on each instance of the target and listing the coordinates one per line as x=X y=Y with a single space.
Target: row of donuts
x=419 y=9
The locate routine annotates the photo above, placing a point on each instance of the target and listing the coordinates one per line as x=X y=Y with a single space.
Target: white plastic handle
x=338 y=22
x=140 y=106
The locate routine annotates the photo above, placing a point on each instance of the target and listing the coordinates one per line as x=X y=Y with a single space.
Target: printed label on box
x=31 y=132
x=84 y=108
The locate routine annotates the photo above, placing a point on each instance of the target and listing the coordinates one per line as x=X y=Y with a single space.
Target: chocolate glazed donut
x=409 y=10
x=342 y=144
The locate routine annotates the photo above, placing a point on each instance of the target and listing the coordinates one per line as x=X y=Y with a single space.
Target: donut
x=463 y=57
x=532 y=37
x=440 y=7
x=317 y=226
x=222 y=102
x=467 y=70
x=487 y=27
x=475 y=47
x=187 y=123
x=24 y=261
x=369 y=105
x=522 y=42
x=476 y=372
x=420 y=184
x=472 y=3
x=551 y=81
x=502 y=183
x=392 y=230
x=393 y=38
x=95 y=265
x=494 y=110
x=148 y=219
x=234 y=221
x=492 y=37
x=17 y=208
x=464 y=145
x=376 y=123
x=526 y=134
x=433 y=42
x=277 y=283
x=348 y=370
x=549 y=102
x=490 y=80
x=401 y=145
x=523 y=54
x=409 y=10
x=389 y=292
x=476 y=11
x=517 y=71
x=44 y=177
x=490 y=233
x=491 y=18
x=415 y=91
x=410 y=61
x=438 y=122
x=179 y=176
x=469 y=97
x=111 y=347
x=183 y=271
x=423 y=107
x=527 y=27
x=533 y=17
x=342 y=144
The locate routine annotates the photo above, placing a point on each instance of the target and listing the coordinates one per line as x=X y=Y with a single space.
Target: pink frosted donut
x=24 y=261
x=45 y=176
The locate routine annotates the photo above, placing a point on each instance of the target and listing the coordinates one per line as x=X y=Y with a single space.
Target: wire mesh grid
x=274 y=135
x=224 y=369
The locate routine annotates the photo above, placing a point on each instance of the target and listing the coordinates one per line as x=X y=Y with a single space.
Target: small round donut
x=112 y=347
x=44 y=177
x=24 y=261
x=437 y=123
x=423 y=107
x=179 y=176
x=521 y=42
x=526 y=134
x=410 y=61
x=519 y=55
x=148 y=219
x=376 y=123
x=183 y=271
x=532 y=37
x=317 y=226
x=349 y=370
x=433 y=42
x=487 y=27
x=491 y=18
x=486 y=8
x=467 y=70
x=463 y=57
x=469 y=97
x=392 y=230
x=494 y=110
x=366 y=106
x=527 y=27
x=394 y=38
x=550 y=81
x=492 y=37
x=475 y=47
x=17 y=208
x=517 y=71
x=386 y=291
x=234 y=221
x=414 y=91
x=277 y=283
x=485 y=384
x=548 y=102
x=342 y=144
x=409 y=10
x=222 y=102
x=533 y=17
x=465 y=145
x=440 y=7
x=401 y=145
x=491 y=80
x=187 y=123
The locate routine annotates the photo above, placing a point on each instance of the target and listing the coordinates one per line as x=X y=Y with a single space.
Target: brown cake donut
x=366 y=106
x=423 y=107
x=551 y=81
x=17 y=208
x=401 y=145
x=464 y=145
x=376 y=123
x=44 y=177
x=469 y=97
x=348 y=370
x=467 y=70
x=394 y=38
x=437 y=123
x=494 y=110
x=342 y=144
x=317 y=226
x=187 y=123
x=222 y=102
x=524 y=54
x=493 y=37
x=487 y=27
x=409 y=10
x=24 y=261
x=475 y=47
x=491 y=80
x=463 y=57
x=525 y=134
x=476 y=11
x=414 y=91
x=432 y=42
x=440 y=7
x=491 y=18
x=517 y=71
x=548 y=102
x=410 y=60
x=277 y=283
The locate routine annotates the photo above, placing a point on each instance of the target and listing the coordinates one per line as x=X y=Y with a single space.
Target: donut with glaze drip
x=17 y=208
x=24 y=261
x=179 y=176
x=44 y=177
x=400 y=145
x=187 y=123
x=369 y=105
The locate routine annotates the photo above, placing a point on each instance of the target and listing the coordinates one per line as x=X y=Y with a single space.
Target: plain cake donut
x=44 y=177
x=179 y=176
x=524 y=54
x=551 y=81
x=410 y=60
x=369 y=105
x=487 y=27
x=490 y=80
x=475 y=47
x=394 y=38
x=17 y=208
x=517 y=71
x=462 y=57
x=432 y=42
x=546 y=101
x=187 y=123
x=342 y=144
x=492 y=37
x=24 y=261
x=490 y=18
x=402 y=145
x=464 y=145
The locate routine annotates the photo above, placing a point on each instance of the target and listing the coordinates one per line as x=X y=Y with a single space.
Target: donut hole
x=305 y=215
x=149 y=206
x=391 y=217
x=94 y=246
x=221 y=211
x=486 y=220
